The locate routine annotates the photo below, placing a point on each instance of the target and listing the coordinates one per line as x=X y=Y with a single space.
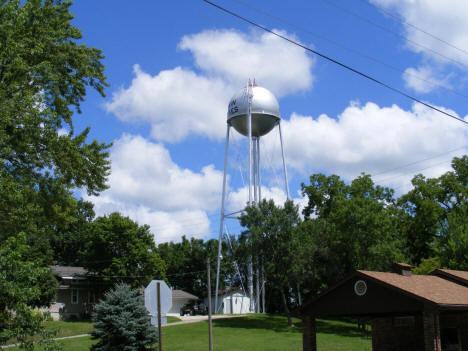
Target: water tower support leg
x=255 y=173
x=257 y=297
x=284 y=162
x=249 y=132
x=263 y=291
x=258 y=170
x=221 y=219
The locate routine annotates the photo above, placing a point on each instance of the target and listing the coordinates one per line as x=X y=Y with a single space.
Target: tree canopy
x=23 y=285
x=437 y=212
x=118 y=249
x=186 y=264
x=360 y=222
x=275 y=244
x=44 y=74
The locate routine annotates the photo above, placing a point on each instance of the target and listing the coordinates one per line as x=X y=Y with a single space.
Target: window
x=74 y=296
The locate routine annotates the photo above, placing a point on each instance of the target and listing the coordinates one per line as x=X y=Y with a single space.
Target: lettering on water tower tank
x=233 y=108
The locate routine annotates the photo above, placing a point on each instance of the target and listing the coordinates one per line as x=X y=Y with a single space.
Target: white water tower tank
x=264 y=109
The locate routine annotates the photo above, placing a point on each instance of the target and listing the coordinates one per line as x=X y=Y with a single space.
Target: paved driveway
x=194 y=319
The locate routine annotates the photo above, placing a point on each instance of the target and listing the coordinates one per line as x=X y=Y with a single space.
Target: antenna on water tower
x=252 y=112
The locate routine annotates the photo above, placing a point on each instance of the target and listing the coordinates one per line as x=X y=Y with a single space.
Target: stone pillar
x=431 y=326
x=309 y=341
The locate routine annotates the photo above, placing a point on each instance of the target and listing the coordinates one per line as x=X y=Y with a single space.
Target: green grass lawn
x=172 y=319
x=252 y=333
x=262 y=333
x=63 y=328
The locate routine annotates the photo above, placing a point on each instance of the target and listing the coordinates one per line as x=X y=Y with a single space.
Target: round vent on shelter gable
x=360 y=287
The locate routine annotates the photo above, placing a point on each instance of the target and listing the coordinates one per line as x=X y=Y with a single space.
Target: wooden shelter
x=406 y=311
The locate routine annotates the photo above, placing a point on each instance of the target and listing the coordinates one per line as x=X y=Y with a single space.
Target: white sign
x=151 y=300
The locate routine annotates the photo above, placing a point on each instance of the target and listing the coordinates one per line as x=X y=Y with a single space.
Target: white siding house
x=231 y=301
x=179 y=299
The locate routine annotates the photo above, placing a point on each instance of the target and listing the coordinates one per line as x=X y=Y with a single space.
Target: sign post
x=159 y=316
x=151 y=300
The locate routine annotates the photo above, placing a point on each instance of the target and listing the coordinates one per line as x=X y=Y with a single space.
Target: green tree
x=44 y=74
x=122 y=322
x=186 y=264
x=20 y=291
x=354 y=226
x=273 y=238
x=117 y=248
x=427 y=266
x=437 y=209
x=423 y=217
x=68 y=243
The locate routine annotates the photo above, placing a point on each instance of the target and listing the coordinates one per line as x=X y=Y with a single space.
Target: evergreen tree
x=122 y=322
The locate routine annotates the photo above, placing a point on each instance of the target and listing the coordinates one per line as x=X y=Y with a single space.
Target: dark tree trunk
x=286 y=308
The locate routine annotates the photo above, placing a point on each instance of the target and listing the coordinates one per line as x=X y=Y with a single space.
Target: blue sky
x=173 y=66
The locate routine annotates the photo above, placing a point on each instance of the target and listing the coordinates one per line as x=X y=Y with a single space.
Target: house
x=179 y=299
x=406 y=311
x=232 y=301
x=77 y=292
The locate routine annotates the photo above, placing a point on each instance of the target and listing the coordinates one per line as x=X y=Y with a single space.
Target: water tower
x=253 y=112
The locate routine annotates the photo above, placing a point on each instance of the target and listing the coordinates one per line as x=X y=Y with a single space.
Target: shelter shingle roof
x=428 y=287
x=459 y=276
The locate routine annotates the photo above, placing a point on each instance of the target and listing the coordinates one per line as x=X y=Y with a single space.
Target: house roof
x=428 y=287
x=458 y=276
x=180 y=294
x=68 y=271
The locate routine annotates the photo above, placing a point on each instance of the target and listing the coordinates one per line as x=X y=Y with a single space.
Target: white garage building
x=179 y=299
x=232 y=301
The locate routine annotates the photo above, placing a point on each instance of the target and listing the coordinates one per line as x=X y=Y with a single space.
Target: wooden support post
x=309 y=341
x=431 y=327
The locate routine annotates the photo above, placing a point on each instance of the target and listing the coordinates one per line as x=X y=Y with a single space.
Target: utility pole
x=210 y=326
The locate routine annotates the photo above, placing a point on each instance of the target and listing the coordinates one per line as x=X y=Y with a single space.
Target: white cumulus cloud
x=175 y=103
x=236 y=56
x=443 y=19
x=148 y=186
x=424 y=80
x=371 y=139
x=180 y=102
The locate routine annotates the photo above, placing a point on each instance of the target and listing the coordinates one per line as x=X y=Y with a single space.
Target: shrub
x=122 y=322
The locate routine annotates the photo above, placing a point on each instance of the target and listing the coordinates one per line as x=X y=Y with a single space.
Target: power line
x=364 y=19
x=399 y=19
x=145 y=276
x=354 y=51
x=335 y=61
x=416 y=162
x=418 y=170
